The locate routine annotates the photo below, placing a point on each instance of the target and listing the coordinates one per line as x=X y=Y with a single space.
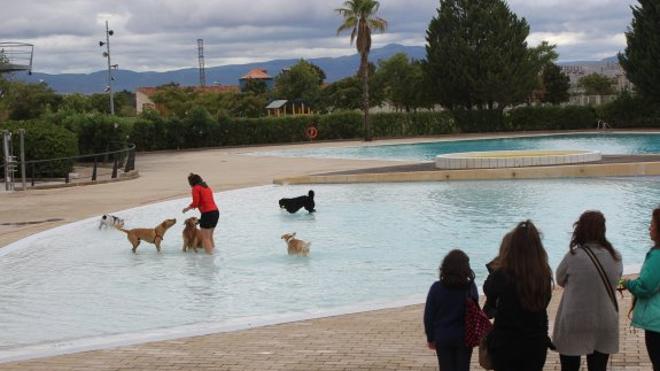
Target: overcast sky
x=161 y=34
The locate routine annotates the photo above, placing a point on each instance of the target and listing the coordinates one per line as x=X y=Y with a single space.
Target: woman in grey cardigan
x=587 y=321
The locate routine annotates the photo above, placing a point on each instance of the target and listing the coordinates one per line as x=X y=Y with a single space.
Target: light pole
x=106 y=54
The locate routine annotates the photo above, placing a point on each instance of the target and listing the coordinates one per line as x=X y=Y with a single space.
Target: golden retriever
x=151 y=235
x=192 y=236
x=296 y=246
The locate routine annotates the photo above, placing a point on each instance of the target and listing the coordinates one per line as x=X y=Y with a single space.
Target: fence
x=44 y=170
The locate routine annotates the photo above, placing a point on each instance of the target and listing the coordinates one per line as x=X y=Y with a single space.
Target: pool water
x=608 y=144
x=371 y=243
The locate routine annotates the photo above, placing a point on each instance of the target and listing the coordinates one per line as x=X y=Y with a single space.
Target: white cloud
x=162 y=34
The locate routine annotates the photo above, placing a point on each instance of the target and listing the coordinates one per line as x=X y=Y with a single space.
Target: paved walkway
x=378 y=340
x=390 y=339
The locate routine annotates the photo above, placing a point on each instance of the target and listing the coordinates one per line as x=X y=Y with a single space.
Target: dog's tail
x=120 y=228
x=306 y=248
x=310 y=194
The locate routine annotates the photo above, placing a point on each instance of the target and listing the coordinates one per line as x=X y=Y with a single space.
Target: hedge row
x=199 y=129
x=629 y=111
x=65 y=134
x=151 y=131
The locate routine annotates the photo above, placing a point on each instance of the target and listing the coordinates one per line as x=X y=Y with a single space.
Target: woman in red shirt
x=202 y=196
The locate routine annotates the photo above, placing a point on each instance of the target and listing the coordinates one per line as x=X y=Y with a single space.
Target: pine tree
x=641 y=59
x=555 y=84
x=477 y=55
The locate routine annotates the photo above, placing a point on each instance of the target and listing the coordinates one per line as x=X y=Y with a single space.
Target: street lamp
x=106 y=54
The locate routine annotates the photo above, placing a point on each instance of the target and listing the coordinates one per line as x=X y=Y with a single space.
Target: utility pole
x=200 y=57
x=106 y=54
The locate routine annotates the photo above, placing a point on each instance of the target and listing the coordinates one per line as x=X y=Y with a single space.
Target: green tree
x=346 y=94
x=76 y=103
x=3 y=57
x=299 y=82
x=555 y=84
x=477 y=56
x=29 y=101
x=596 y=84
x=359 y=17
x=175 y=100
x=641 y=59
x=255 y=86
x=402 y=81
x=319 y=72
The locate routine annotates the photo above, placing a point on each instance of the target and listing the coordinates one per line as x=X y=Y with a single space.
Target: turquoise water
x=371 y=243
x=609 y=144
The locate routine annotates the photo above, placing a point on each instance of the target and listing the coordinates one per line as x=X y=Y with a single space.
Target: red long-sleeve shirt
x=203 y=199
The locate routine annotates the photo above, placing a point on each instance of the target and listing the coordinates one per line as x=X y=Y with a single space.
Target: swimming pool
x=606 y=143
x=372 y=244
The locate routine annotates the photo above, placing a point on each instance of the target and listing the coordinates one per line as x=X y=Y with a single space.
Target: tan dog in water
x=296 y=246
x=192 y=236
x=151 y=235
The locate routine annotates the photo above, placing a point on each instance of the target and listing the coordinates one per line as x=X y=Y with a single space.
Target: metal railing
x=40 y=170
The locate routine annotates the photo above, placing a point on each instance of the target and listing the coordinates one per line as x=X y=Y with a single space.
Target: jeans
x=454 y=358
x=653 y=347
x=595 y=362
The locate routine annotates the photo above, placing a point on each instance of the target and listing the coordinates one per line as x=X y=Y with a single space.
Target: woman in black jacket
x=444 y=315
x=521 y=287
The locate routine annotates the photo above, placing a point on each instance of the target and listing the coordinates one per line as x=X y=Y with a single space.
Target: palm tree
x=360 y=18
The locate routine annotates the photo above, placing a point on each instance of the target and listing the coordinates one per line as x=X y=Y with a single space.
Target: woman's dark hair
x=591 y=228
x=195 y=179
x=455 y=271
x=655 y=218
x=526 y=261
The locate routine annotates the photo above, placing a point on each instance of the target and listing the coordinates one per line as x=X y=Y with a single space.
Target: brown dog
x=296 y=246
x=151 y=235
x=192 y=236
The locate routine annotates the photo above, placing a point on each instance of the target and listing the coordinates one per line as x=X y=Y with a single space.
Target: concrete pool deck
x=375 y=340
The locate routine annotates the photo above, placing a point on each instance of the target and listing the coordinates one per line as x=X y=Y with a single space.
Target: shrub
x=98 y=132
x=476 y=121
x=44 y=141
x=629 y=110
x=412 y=124
x=552 y=118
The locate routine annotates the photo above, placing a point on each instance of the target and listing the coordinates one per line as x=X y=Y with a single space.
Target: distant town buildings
x=610 y=69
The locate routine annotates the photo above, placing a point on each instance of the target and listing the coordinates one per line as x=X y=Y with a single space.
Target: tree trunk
x=364 y=66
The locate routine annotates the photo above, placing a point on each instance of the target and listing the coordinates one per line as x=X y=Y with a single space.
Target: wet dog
x=292 y=205
x=296 y=246
x=151 y=235
x=192 y=236
x=111 y=221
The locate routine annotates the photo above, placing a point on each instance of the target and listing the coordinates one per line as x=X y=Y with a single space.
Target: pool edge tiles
x=511 y=159
x=583 y=170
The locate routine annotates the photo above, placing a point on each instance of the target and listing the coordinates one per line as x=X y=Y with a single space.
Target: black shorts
x=209 y=219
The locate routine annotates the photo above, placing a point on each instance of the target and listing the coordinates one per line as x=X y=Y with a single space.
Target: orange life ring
x=311 y=132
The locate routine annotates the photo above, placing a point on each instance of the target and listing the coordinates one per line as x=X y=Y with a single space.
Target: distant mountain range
x=335 y=69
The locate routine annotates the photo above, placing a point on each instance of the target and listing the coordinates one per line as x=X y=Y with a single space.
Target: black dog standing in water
x=292 y=205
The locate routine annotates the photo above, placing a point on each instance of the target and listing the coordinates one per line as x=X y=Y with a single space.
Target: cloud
x=162 y=34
